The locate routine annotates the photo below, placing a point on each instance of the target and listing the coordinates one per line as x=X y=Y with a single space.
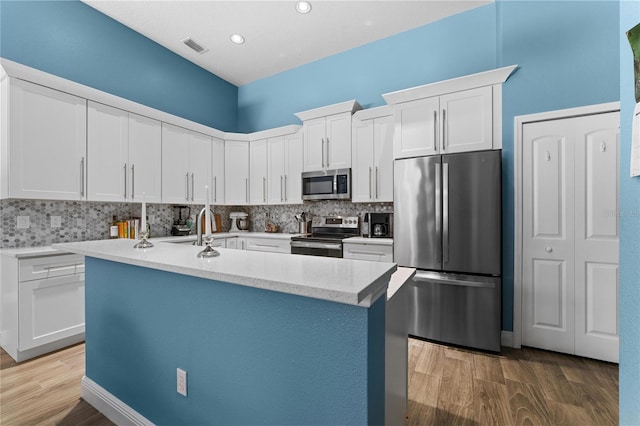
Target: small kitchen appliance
x=327 y=233
x=239 y=222
x=180 y=226
x=380 y=225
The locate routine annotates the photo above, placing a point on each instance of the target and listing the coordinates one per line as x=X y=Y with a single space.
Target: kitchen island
x=264 y=337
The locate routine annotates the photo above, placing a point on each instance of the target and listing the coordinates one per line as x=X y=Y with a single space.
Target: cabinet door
x=175 y=164
x=383 y=155
x=258 y=171
x=467 y=120
x=277 y=156
x=314 y=144
x=50 y=310
x=199 y=168
x=145 y=159
x=231 y=243
x=293 y=169
x=416 y=128
x=48 y=143
x=217 y=171
x=338 y=141
x=107 y=146
x=236 y=176
x=362 y=172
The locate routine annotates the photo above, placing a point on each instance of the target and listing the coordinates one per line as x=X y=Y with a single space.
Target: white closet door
x=548 y=211
x=570 y=235
x=596 y=234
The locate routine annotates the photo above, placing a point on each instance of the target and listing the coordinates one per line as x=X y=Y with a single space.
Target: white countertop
x=398 y=279
x=49 y=251
x=354 y=282
x=367 y=240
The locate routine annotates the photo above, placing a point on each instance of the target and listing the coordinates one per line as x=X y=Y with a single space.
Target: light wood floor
x=447 y=386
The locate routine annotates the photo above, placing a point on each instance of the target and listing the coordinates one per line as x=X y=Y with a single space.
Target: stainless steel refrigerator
x=448 y=225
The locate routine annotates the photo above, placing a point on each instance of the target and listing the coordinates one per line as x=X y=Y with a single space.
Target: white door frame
x=519 y=122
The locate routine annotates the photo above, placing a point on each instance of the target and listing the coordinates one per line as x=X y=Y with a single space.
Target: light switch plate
x=56 y=221
x=23 y=222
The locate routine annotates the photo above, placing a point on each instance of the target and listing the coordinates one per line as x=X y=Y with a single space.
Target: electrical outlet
x=56 y=221
x=23 y=222
x=181 y=376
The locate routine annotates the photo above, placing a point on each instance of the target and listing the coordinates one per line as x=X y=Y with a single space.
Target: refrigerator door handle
x=438 y=208
x=437 y=278
x=445 y=212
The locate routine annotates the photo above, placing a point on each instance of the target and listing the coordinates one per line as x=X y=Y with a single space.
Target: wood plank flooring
x=45 y=390
x=447 y=386
x=451 y=386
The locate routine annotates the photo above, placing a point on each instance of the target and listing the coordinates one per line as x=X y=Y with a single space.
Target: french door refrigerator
x=448 y=225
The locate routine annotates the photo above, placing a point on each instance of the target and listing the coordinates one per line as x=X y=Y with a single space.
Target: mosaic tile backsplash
x=85 y=220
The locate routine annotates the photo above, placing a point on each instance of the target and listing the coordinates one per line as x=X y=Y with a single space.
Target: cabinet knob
x=548 y=249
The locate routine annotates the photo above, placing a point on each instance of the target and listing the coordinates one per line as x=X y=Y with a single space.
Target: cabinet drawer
x=50 y=310
x=361 y=251
x=268 y=244
x=39 y=268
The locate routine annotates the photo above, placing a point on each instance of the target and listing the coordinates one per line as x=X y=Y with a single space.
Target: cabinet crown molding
x=471 y=81
x=347 y=106
x=370 y=113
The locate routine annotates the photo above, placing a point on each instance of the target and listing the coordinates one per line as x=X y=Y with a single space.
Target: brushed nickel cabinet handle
x=370 y=195
x=435 y=131
x=186 y=183
x=125 y=181
x=133 y=181
x=444 y=129
x=377 y=181
x=82 y=177
x=193 y=186
x=215 y=189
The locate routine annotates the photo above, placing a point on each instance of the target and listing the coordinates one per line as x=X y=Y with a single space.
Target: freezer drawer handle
x=452 y=281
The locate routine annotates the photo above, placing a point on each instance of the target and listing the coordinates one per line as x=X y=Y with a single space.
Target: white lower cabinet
x=255 y=243
x=375 y=249
x=42 y=304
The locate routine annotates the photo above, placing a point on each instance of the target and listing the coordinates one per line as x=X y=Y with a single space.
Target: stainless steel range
x=327 y=233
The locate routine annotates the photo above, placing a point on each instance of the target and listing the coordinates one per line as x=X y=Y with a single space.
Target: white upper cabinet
x=467 y=120
x=124 y=155
x=285 y=169
x=236 y=176
x=458 y=115
x=145 y=159
x=217 y=171
x=372 y=171
x=186 y=165
x=107 y=152
x=258 y=172
x=46 y=142
x=456 y=122
x=417 y=129
x=327 y=136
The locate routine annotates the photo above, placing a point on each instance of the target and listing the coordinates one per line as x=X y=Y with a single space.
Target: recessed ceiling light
x=237 y=38
x=303 y=7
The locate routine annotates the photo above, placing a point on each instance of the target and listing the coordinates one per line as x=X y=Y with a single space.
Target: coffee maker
x=380 y=225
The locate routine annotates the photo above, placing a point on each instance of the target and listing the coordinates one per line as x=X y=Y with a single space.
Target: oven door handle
x=316 y=245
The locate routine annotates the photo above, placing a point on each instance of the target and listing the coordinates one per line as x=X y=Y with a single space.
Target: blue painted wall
x=252 y=356
x=567 y=52
x=629 y=231
x=76 y=42
x=568 y=57
x=455 y=46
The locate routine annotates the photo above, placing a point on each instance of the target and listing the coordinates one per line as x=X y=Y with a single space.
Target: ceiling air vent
x=194 y=45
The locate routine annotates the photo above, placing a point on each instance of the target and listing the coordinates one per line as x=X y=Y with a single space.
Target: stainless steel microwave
x=327 y=185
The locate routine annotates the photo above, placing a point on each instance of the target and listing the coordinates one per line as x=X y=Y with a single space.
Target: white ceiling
x=277 y=37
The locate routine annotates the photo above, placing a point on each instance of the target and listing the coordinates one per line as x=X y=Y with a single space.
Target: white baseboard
x=506 y=339
x=114 y=409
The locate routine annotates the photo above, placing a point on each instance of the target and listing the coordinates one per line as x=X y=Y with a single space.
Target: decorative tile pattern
x=86 y=220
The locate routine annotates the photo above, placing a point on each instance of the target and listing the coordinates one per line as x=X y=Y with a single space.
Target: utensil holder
x=304 y=227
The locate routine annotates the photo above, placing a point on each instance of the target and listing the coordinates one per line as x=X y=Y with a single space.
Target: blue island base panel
x=252 y=356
